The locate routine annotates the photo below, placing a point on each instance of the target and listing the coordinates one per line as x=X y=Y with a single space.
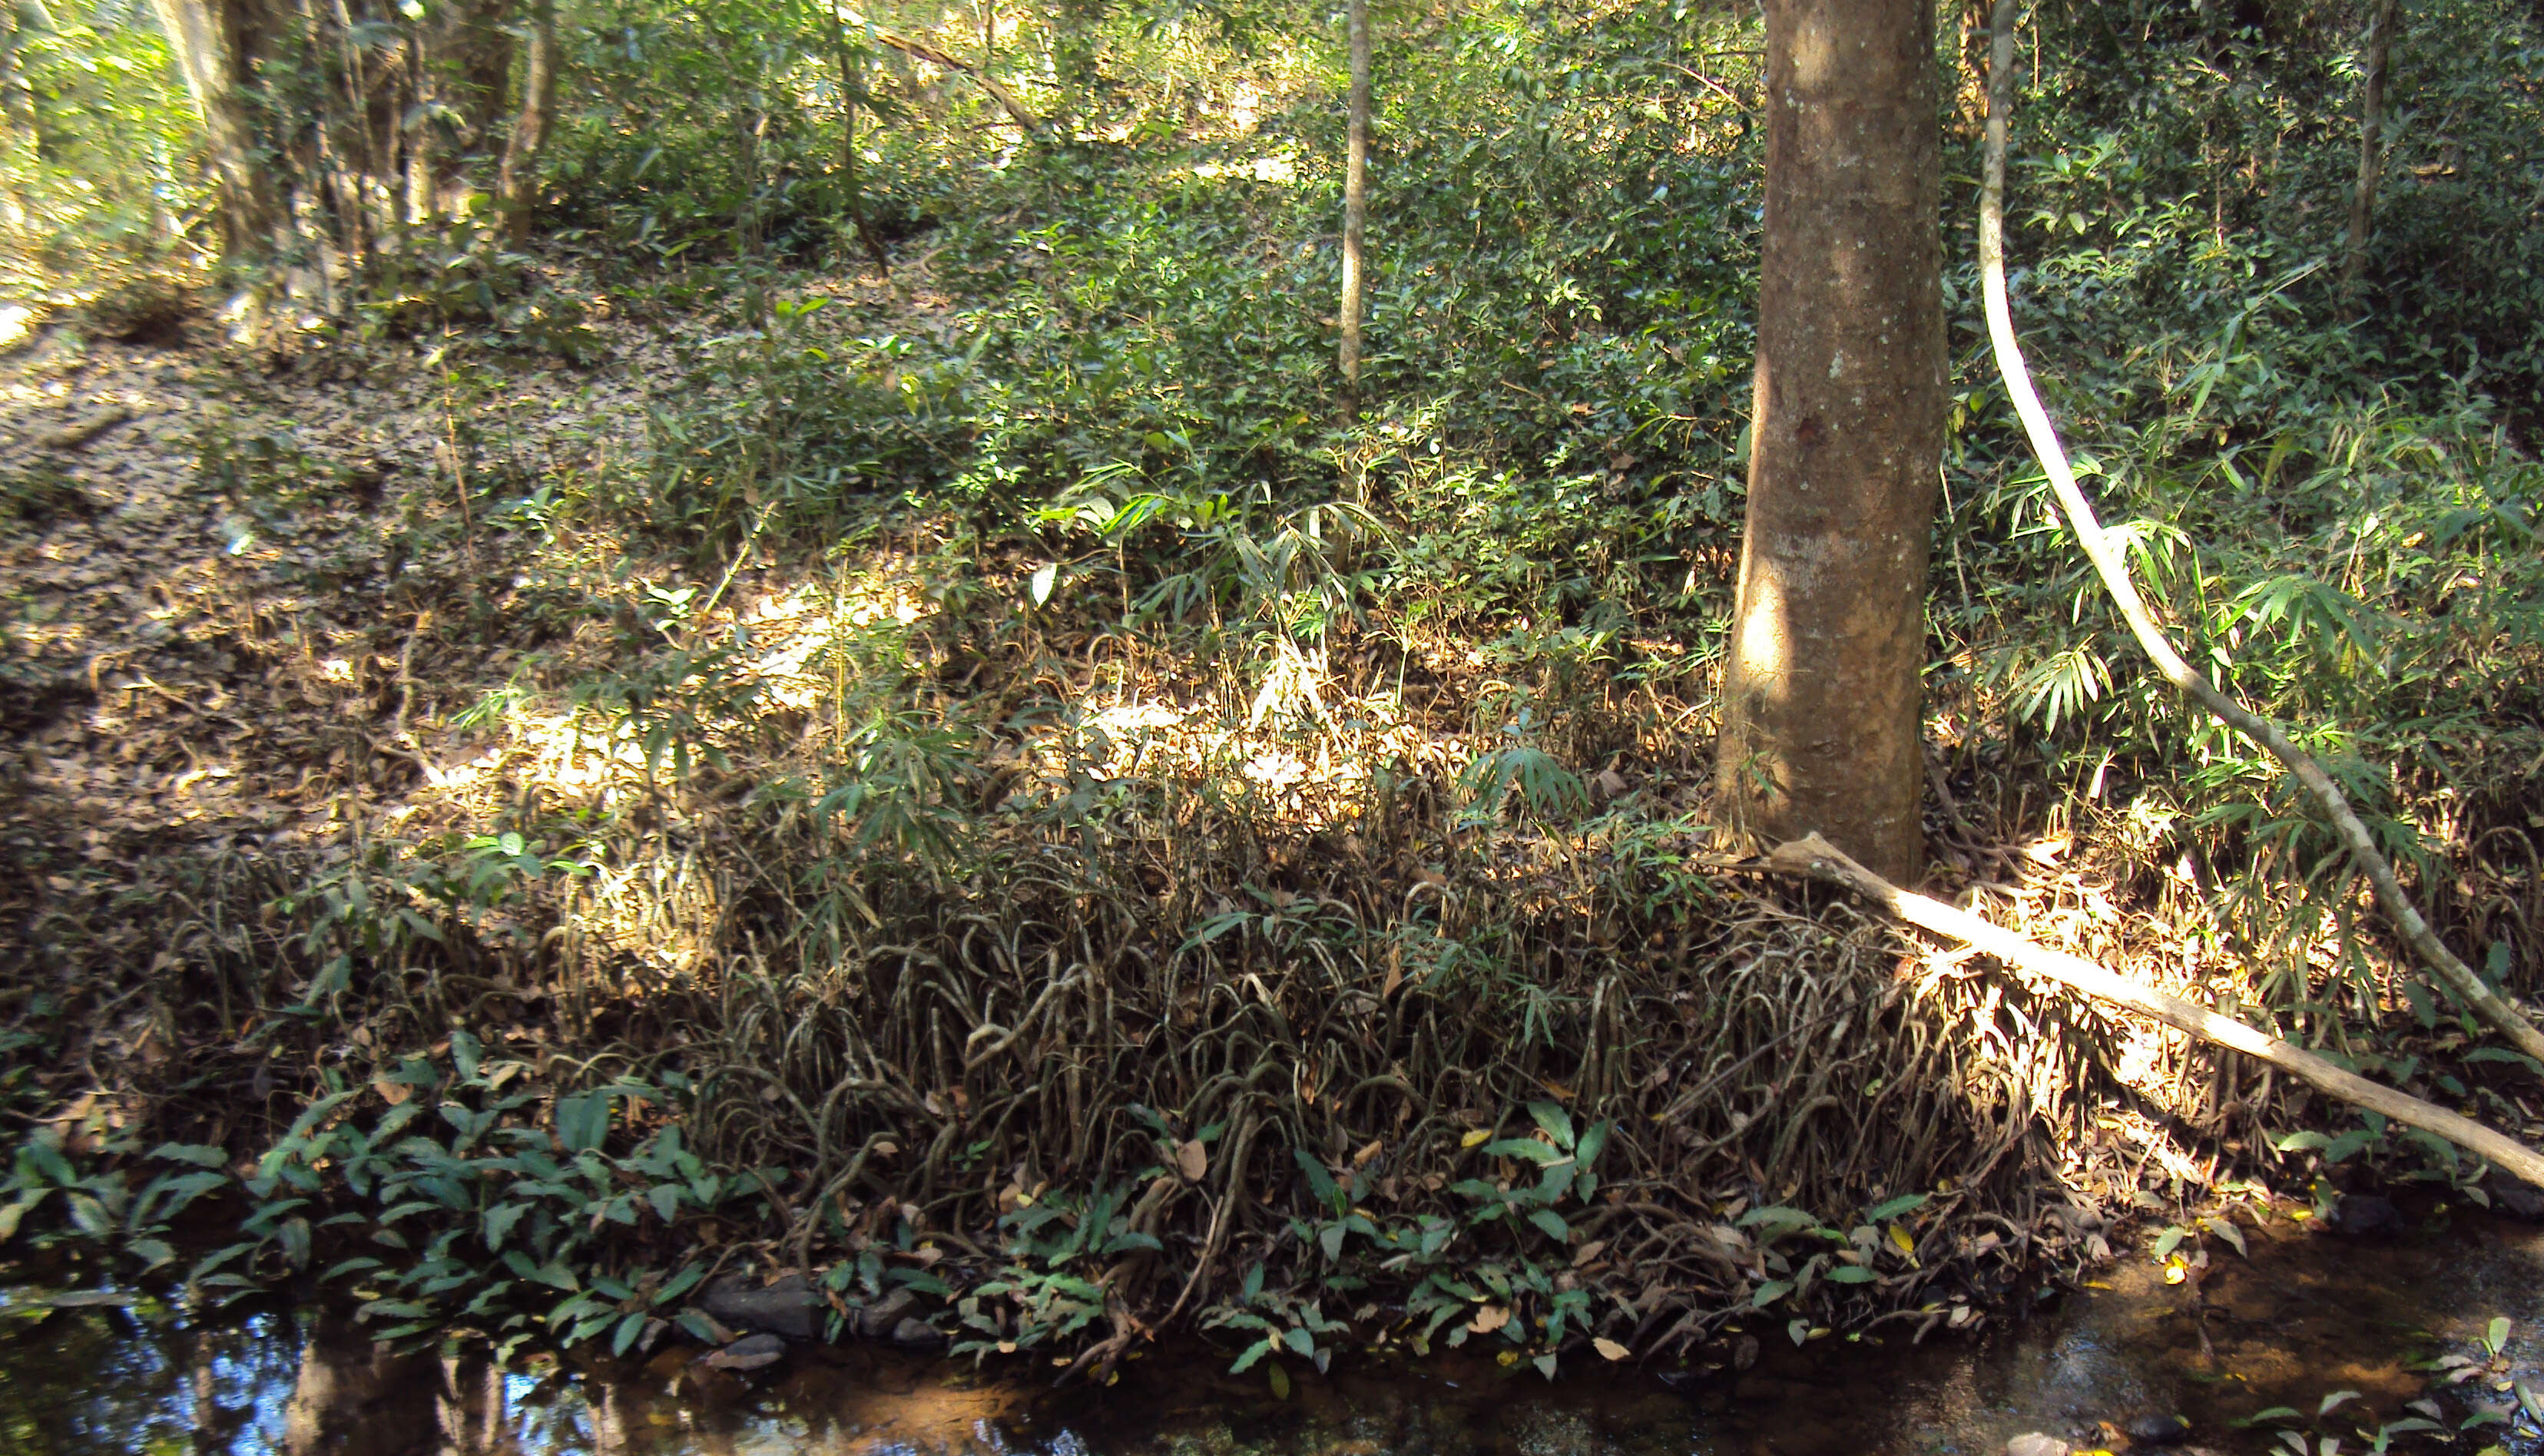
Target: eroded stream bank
x=2308 y=1317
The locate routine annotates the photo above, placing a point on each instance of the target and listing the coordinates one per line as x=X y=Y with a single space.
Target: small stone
x=2033 y=1443
x=2156 y=1429
x=2363 y=1214
x=878 y=1319
x=751 y=1353
x=916 y=1334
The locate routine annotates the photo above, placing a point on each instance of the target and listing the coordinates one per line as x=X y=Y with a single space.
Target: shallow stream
x=2307 y=1317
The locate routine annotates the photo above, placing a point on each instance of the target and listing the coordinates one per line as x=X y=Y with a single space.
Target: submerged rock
x=2156 y=1429
x=749 y=1353
x=2514 y=1196
x=2363 y=1214
x=2033 y=1443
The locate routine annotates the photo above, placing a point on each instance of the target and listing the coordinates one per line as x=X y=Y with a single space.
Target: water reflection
x=86 y=1374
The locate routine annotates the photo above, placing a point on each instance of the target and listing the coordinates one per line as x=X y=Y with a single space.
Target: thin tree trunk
x=1822 y=685
x=2372 y=142
x=1817 y=858
x=2114 y=569
x=849 y=78
x=516 y=178
x=1355 y=223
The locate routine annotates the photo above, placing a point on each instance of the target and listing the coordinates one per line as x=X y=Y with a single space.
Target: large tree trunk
x=1355 y=216
x=209 y=40
x=1821 y=701
x=2371 y=140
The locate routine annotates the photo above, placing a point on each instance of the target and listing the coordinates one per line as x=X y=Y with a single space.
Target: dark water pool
x=2306 y=1318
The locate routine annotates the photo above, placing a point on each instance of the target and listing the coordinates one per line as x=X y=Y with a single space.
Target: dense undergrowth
x=948 y=795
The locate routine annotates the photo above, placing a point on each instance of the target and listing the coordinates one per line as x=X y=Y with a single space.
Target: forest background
x=776 y=664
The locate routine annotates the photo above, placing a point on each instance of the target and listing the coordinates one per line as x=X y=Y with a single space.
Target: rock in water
x=2033 y=1443
x=2514 y=1196
x=788 y=1306
x=2157 y=1429
x=2362 y=1215
x=916 y=1334
x=749 y=1353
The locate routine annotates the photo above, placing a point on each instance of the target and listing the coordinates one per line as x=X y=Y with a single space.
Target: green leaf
x=1300 y=1339
x=1771 y=1292
x=1851 y=1274
x=1890 y=1209
x=1592 y=1144
x=1552 y=1225
x=1556 y=1123
x=194 y=1153
x=499 y=1224
x=1321 y=1183
x=582 y=1121
x=1773 y=1220
x=628 y=1329
x=1527 y=1149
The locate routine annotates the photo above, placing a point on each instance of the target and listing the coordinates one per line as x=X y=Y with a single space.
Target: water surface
x=2306 y=1317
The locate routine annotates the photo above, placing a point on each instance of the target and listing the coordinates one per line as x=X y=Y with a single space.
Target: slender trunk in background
x=1822 y=689
x=2371 y=149
x=1355 y=227
x=849 y=80
x=516 y=178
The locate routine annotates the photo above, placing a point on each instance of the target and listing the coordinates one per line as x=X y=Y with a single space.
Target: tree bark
x=1822 y=693
x=2371 y=140
x=517 y=178
x=205 y=36
x=1355 y=216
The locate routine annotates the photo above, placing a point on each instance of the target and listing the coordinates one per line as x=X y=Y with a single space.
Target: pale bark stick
x=937 y=56
x=2114 y=569
x=1818 y=858
x=1355 y=224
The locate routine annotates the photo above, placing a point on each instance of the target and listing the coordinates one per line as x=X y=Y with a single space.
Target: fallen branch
x=1818 y=858
x=919 y=49
x=79 y=436
x=2486 y=1003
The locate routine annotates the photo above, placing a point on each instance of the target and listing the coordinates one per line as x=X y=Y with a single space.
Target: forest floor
x=310 y=784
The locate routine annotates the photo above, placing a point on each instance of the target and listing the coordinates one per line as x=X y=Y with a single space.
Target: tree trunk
x=205 y=36
x=2371 y=140
x=333 y=127
x=848 y=81
x=1821 y=696
x=517 y=180
x=1355 y=218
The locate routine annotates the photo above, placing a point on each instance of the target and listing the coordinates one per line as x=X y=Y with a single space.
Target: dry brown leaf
x=1610 y=1349
x=1489 y=1319
x=1192 y=1160
x=392 y=1093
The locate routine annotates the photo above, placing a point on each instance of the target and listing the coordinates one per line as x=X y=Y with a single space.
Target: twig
x=1818 y=858
x=2114 y=572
